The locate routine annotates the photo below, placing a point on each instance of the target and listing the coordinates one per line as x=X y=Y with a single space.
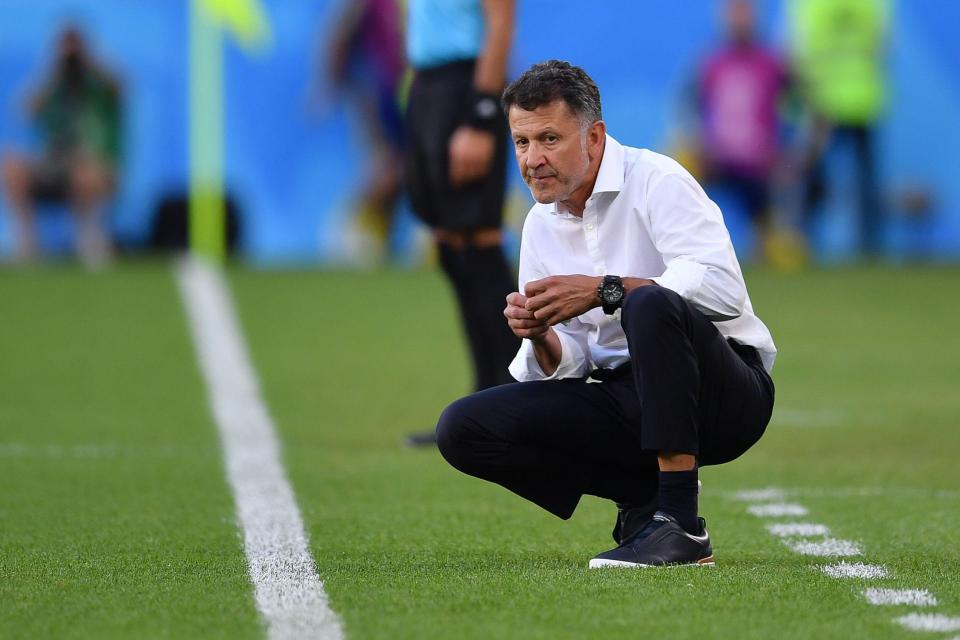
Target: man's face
x=71 y=43
x=553 y=152
x=740 y=20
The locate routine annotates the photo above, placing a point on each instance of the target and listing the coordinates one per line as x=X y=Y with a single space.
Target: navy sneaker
x=663 y=542
x=632 y=519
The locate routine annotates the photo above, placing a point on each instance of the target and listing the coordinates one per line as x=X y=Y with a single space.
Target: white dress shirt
x=646 y=218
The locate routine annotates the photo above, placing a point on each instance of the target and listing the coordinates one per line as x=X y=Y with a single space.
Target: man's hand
x=471 y=155
x=559 y=298
x=522 y=322
x=546 y=344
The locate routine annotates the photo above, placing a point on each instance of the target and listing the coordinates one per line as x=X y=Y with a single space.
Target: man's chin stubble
x=542 y=198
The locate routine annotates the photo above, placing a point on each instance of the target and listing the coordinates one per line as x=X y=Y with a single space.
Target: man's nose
x=535 y=156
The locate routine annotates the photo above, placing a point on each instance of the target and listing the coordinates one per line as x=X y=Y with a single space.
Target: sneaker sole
x=599 y=563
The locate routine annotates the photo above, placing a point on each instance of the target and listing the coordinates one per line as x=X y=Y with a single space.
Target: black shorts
x=752 y=192
x=50 y=181
x=437 y=106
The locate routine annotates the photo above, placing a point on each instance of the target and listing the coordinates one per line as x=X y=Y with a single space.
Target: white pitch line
x=828 y=547
x=777 y=510
x=929 y=622
x=915 y=597
x=855 y=570
x=289 y=594
x=769 y=494
x=758 y=495
x=795 y=535
x=799 y=529
x=15 y=449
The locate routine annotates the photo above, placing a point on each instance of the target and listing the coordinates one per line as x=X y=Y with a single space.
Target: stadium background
x=292 y=170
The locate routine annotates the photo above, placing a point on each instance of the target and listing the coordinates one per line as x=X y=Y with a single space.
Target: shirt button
x=589 y=227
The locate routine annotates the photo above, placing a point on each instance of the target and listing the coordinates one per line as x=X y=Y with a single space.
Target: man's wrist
x=547 y=350
x=483 y=110
x=611 y=293
x=541 y=339
x=596 y=301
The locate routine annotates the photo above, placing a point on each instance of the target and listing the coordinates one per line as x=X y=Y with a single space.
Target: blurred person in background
x=77 y=115
x=838 y=49
x=739 y=88
x=455 y=164
x=365 y=63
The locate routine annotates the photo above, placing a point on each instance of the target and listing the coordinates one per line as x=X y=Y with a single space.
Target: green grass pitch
x=116 y=519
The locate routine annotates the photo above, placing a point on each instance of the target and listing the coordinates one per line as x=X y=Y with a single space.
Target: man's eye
x=551 y=139
x=521 y=142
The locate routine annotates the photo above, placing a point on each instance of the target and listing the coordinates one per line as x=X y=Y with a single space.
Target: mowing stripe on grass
x=289 y=593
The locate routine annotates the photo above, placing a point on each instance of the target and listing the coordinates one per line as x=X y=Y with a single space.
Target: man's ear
x=596 y=137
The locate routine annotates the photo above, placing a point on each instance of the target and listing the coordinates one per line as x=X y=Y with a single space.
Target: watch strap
x=610 y=306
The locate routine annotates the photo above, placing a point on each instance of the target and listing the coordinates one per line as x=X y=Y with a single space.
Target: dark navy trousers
x=686 y=390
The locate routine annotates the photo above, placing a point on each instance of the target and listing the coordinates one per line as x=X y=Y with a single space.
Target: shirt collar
x=609 y=175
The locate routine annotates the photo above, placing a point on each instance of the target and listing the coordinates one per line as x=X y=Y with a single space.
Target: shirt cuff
x=682 y=276
x=525 y=366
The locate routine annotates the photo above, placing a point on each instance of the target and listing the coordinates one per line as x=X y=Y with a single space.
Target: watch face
x=612 y=292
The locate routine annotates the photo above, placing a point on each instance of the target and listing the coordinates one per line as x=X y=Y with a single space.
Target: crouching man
x=641 y=360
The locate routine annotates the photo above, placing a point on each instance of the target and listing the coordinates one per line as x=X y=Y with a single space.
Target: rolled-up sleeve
x=701 y=265
x=574 y=352
x=574 y=358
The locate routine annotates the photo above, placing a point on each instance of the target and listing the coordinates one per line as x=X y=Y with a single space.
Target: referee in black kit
x=455 y=164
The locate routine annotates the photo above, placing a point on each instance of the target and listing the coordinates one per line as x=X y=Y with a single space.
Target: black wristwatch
x=610 y=292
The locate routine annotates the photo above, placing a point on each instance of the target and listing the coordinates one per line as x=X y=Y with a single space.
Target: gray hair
x=547 y=82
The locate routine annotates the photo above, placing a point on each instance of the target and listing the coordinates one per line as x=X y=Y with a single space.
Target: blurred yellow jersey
x=838 y=55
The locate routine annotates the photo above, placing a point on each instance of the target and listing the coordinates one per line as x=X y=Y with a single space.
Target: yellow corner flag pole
x=246 y=20
x=207 y=211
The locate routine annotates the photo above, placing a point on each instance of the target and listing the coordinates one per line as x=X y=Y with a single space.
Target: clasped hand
x=548 y=301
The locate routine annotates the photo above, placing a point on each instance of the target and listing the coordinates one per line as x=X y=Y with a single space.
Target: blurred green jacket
x=85 y=116
x=838 y=55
